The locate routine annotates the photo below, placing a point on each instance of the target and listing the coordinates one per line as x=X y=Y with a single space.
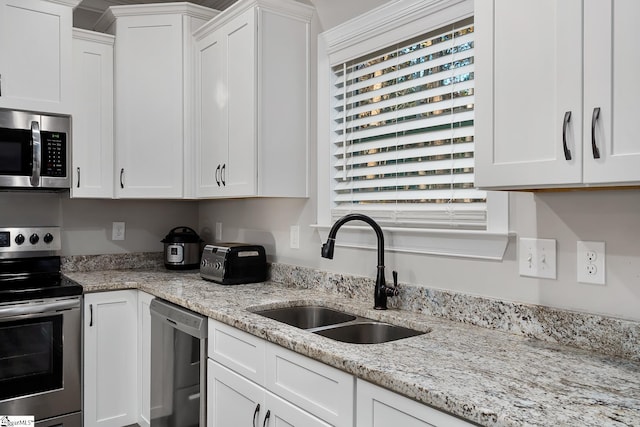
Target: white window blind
x=403 y=136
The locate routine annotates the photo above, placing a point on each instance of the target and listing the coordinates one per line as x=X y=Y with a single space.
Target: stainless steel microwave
x=35 y=150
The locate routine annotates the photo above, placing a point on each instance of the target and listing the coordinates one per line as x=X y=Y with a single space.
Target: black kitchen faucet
x=382 y=291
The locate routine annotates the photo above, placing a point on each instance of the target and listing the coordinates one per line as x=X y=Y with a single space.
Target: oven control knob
x=19 y=239
x=34 y=238
x=48 y=238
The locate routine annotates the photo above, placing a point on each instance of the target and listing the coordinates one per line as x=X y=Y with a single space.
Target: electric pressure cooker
x=182 y=249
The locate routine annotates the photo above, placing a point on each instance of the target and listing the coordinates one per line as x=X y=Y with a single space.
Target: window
x=395 y=132
x=403 y=133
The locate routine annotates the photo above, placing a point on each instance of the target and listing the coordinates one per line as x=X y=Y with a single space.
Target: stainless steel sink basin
x=368 y=332
x=338 y=325
x=307 y=316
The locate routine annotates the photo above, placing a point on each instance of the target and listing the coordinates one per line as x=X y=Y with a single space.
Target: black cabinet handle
x=90 y=315
x=594 y=119
x=218 y=175
x=565 y=124
x=121 y=181
x=78 y=185
x=224 y=167
x=255 y=414
x=266 y=418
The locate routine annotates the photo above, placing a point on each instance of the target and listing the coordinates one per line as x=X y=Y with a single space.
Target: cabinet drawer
x=377 y=406
x=320 y=389
x=237 y=350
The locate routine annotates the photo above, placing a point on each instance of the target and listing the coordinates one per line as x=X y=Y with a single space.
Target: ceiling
x=99 y=6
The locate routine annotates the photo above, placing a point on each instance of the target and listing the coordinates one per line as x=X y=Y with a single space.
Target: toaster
x=233 y=263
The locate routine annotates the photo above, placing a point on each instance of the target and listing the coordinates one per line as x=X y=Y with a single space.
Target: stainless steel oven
x=40 y=330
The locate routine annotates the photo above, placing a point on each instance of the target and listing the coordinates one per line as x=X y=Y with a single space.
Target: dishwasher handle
x=180 y=318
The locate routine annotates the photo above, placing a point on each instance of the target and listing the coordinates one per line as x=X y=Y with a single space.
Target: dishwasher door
x=178 y=366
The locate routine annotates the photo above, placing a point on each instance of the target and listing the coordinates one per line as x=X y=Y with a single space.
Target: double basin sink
x=338 y=325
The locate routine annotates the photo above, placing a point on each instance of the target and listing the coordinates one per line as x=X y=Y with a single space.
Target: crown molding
x=391 y=23
x=184 y=8
x=289 y=8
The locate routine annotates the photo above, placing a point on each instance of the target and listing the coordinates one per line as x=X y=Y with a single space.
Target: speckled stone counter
x=487 y=376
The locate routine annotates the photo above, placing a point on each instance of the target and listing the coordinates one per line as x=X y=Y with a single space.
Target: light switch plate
x=537 y=258
x=294 y=237
x=117 y=231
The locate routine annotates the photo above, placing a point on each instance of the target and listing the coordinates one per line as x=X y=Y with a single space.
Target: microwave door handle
x=37 y=154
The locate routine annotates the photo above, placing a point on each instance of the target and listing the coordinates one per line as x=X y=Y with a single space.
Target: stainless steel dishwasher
x=178 y=366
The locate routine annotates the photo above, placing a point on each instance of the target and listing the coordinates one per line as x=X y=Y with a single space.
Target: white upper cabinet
x=35 y=55
x=252 y=101
x=611 y=64
x=92 y=172
x=554 y=104
x=153 y=103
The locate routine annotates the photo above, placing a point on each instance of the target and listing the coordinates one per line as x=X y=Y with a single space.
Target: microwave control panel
x=54 y=154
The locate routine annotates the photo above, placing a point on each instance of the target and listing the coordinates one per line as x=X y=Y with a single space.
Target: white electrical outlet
x=537 y=258
x=591 y=262
x=218 y=235
x=294 y=237
x=117 y=231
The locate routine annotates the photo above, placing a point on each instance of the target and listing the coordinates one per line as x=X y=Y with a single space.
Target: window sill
x=451 y=243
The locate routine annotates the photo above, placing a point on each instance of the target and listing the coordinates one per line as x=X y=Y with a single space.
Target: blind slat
x=413 y=153
x=385 y=100
x=437 y=165
x=400 y=141
x=434 y=122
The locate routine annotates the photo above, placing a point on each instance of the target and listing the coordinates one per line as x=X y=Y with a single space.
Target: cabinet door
x=232 y=400
x=239 y=172
x=211 y=130
x=35 y=55
x=92 y=172
x=144 y=359
x=149 y=106
x=110 y=358
x=377 y=407
x=528 y=77
x=611 y=61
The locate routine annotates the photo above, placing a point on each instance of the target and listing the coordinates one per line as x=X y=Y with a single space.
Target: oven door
x=40 y=358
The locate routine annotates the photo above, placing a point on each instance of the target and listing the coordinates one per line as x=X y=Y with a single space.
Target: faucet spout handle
x=392 y=292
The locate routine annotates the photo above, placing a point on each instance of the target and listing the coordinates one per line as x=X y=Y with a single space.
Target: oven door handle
x=48 y=307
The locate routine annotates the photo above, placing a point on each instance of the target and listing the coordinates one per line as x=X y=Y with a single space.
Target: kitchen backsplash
x=606 y=335
x=129 y=261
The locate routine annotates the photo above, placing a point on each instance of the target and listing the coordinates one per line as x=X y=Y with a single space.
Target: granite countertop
x=486 y=376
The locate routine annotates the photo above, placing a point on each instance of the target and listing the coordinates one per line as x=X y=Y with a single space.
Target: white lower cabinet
x=254 y=381
x=110 y=358
x=378 y=407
